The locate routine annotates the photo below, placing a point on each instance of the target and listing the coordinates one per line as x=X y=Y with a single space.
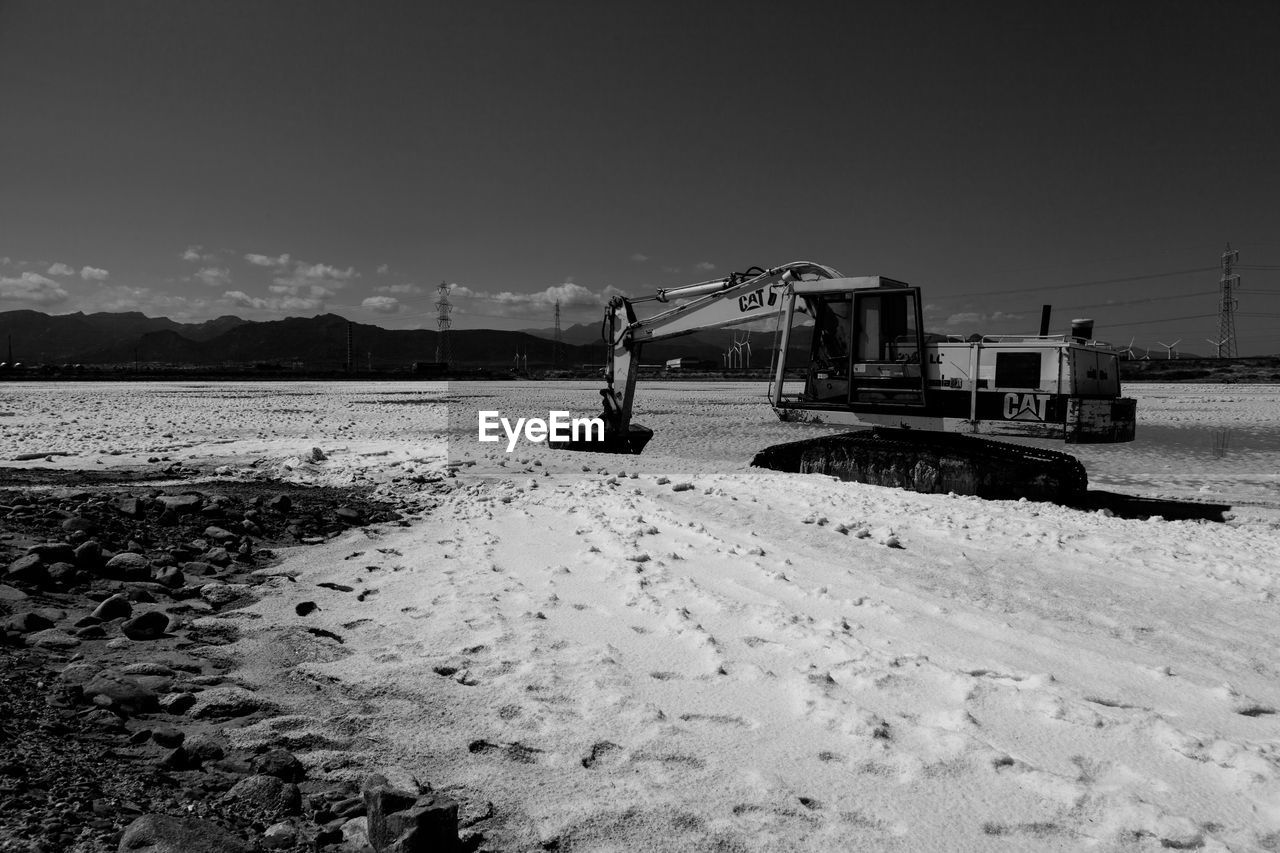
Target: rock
x=52 y=638
x=68 y=493
x=228 y=701
x=11 y=593
x=203 y=747
x=279 y=503
x=402 y=822
x=170 y=576
x=305 y=608
x=88 y=555
x=221 y=594
x=280 y=763
x=130 y=566
x=177 y=703
x=157 y=833
x=80 y=523
x=115 y=607
x=28 y=569
x=78 y=673
x=104 y=719
x=126 y=694
x=90 y=632
x=355 y=832
x=197 y=568
x=278 y=836
x=167 y=518
x=217 y=556
x=54 y=552
x=349 y=515
x=168 y=737
x=139 y=593
x=175 y=759
x=148 y=626
x=218 y=534
x=130 y=507
x=349 y=808
x=328 y=835
x=380 y=801
x=317 y=455
x=184 y=503
x=267 y=794
x=63 y=573
x=148 y=668
x=26 y=623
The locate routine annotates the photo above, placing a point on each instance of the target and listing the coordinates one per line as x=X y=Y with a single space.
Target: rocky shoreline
x=115 y=703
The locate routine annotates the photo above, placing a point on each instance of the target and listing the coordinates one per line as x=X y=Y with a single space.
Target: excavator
x=929 y=400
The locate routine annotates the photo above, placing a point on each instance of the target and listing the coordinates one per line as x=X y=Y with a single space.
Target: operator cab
x=867 y=347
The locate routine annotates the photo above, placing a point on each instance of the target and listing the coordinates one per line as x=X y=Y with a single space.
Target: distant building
x=683 y=363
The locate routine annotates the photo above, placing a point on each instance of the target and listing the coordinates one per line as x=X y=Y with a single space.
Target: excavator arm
x=735 y=300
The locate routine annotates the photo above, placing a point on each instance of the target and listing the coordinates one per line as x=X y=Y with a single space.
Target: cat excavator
x=928 y=399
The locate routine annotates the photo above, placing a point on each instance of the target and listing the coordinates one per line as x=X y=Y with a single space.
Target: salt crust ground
x=763 y=661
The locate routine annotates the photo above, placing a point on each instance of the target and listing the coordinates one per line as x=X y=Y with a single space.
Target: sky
x=266 y=160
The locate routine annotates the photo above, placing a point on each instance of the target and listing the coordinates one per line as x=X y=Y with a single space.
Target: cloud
x=32 y=287
x=402 y=289
x=574 y=299
x=214 y=276
x=94 y=274
x=705 y=266
x=296 y=285
x=267 y=260
x=974 y=318
x=61 y=269
x=381 y=304
x=639 y=257
x=383 y=269
x=311 y=281
x=196 y=254
x=291 y=303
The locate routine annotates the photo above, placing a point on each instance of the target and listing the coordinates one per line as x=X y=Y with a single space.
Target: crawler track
x=935 y=463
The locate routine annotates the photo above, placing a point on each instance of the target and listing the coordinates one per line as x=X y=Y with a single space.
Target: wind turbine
x=1127 y=352
x=1169 y=348
x=1218 y=344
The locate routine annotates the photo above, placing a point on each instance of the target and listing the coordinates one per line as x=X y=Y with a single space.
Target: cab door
x=887 y=356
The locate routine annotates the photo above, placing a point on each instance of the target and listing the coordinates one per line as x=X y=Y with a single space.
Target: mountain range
x=318 y=343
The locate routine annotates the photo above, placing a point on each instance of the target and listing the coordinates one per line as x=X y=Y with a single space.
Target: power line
x=1146 y=299
x=1162 y=320
x=1148 y=277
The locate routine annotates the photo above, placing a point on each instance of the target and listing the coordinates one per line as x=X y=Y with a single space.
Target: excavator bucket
x=632 y=441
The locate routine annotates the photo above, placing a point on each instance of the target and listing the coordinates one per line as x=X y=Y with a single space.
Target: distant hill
x=315 y=342
x=43 y=338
